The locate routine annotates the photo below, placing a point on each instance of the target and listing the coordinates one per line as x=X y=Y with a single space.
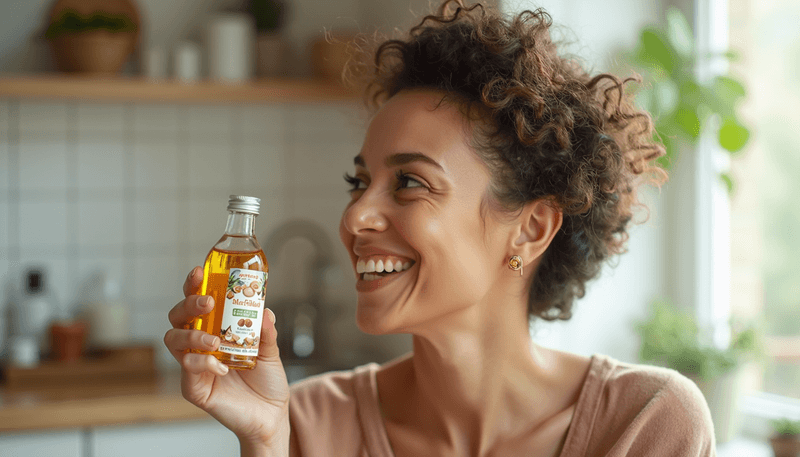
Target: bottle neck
x=240 y=224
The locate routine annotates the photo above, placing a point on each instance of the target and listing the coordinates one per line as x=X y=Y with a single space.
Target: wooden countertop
x=115 y=403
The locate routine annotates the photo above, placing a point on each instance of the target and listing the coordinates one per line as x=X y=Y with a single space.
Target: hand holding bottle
x=254 y=404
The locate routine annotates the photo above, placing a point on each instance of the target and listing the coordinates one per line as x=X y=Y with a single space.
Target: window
x=765 y=211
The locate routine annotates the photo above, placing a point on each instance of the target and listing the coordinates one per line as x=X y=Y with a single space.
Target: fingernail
x=271 y=316
x=207 y=301
x=210 y=341
x=223 y=369
x=192 y=273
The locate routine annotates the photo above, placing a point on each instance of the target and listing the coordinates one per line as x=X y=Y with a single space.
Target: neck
x=477 y=377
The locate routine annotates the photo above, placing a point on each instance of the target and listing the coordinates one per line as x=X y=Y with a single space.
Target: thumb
x=268 y=345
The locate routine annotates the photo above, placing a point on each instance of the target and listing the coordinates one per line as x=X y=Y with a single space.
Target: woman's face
x=417 y=206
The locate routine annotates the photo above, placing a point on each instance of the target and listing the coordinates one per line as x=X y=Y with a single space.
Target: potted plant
x=672 y=338
x=684 y=105
x=785 y=439
x=91 y=37
x=271 y=55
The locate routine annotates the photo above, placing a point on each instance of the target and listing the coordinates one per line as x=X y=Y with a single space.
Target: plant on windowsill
x=671 y=337
x=785 y=439
x=683 y=105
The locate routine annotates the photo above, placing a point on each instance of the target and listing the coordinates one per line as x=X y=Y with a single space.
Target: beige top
x=622 y=410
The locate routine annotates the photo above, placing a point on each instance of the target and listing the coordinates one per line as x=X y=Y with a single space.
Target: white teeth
x=388 y=267
x=370 y=277
x=406 y=265
x=370 y=266
x=361 y=266
x=379 y=266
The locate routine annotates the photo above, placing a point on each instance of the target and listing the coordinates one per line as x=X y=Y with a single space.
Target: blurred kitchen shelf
x=68 y=87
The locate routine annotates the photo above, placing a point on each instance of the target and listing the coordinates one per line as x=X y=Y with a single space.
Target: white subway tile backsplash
x=263 y=165
x=102 y=117
x=209 y=120
x=100 y=164
x=5 y=220
x=158 y=276
x=42 y=165
x=156 y=222
x=211 y=166
x=343 y=123
x=207 y=218
x=155 y=118
x=100 y=223
x=43 y=116
x=112 y=266
x=156 y=165
x=5 y=168
x=321 y=165
x=261 y=123
x=43 y=225
x=171 y=190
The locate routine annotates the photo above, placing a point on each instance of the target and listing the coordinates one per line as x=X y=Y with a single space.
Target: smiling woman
x=494 y=180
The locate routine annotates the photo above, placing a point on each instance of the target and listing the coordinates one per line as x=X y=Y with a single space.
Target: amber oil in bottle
x=235 y=275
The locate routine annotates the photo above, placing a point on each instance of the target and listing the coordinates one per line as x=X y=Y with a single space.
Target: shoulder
x=324 y=413
x=649 y=410
x=327 y=395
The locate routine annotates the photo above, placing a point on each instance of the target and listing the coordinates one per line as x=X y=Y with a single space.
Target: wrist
x=276 y=446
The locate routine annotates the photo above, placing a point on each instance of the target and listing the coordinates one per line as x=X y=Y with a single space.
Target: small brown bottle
x=235 y=275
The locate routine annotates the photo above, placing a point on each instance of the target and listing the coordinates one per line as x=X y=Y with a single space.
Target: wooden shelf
x=66 y=87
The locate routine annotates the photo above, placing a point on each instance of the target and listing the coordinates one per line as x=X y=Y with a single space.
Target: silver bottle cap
x=243 y=204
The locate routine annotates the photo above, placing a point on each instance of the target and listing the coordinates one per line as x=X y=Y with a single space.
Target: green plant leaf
x=680 y=33
x=733 y=136
x=656 y=50
x=728 y=88
x=688 y=121
x=728 y=180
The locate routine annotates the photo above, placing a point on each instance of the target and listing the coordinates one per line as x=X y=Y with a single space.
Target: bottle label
x=244 y=308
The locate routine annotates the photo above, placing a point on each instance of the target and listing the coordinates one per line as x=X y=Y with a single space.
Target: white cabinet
x=173 y=439
x=62 y=444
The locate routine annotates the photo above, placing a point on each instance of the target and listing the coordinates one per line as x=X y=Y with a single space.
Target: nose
x=365 y=214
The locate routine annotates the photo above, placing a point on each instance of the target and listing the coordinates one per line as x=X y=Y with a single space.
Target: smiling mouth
x=373 y=271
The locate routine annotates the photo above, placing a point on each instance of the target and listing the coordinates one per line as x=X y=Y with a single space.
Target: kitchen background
x=137 y=190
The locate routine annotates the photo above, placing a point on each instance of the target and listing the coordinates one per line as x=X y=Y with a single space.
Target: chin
x=373 y=321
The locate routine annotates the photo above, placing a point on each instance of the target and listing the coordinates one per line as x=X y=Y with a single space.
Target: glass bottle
x=235 y=275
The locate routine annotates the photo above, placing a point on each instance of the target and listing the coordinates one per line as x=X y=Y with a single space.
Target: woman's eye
x=405 y=181
x=355 y=183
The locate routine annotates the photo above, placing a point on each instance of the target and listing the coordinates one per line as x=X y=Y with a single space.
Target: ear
x=539 y=222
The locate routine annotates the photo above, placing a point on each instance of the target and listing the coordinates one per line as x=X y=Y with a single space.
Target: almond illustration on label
x=248 y=292
x=248 y=323
x=241 y=323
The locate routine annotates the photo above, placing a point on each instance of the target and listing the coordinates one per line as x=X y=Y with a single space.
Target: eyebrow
x=402 y=159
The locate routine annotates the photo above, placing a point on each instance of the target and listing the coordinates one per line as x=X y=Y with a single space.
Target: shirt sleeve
x=323 y=417
x=656 y=413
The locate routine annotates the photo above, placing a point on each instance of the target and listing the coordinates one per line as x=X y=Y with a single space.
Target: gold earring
x=515 y=263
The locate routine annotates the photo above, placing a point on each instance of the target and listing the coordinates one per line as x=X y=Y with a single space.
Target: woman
x=494 y=179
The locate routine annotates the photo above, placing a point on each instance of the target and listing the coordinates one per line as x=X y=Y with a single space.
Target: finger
x=189 y=308
x=200 y=363
x=193 y=282
x=268 y=346
x=179 y=340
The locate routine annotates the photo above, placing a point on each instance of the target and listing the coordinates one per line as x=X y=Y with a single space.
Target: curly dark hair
x=549 y=131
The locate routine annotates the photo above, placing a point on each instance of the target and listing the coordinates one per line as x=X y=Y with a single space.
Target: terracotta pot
x=99 y=52
x=67 y=341
x=785 y=446
x=328 y=58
